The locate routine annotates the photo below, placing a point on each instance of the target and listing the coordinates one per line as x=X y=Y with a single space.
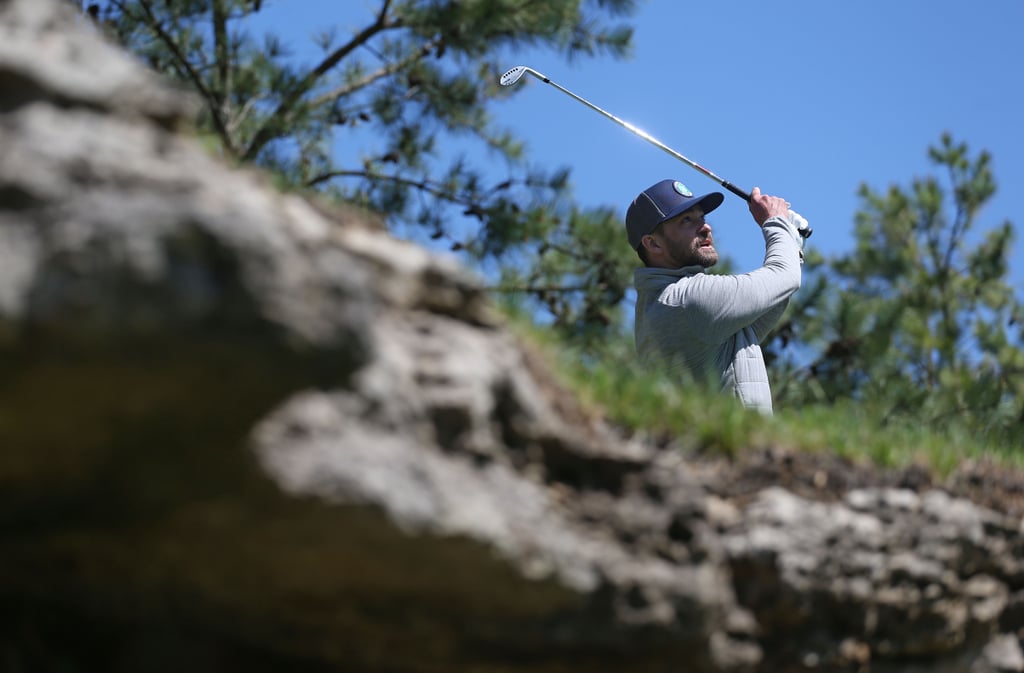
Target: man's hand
x=763 y=207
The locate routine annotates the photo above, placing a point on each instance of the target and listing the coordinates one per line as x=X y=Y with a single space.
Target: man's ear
x=650 y=243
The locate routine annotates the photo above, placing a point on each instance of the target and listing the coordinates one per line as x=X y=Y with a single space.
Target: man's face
x=685 y=240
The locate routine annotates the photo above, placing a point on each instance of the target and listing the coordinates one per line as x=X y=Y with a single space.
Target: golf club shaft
x=651 y=139
x=513 y=75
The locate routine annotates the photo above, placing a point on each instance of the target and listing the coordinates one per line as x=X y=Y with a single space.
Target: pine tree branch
x=221 y=55
x=960 y=223
x=386 y=71
x=422 y=185
x=269 y=130
x=239 y=118
x=539 y=289
x=182 y=65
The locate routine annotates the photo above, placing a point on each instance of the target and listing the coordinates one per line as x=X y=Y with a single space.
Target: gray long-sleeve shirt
x=708 y=325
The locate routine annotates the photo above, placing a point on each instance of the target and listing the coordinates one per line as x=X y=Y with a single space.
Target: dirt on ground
x=827 y=477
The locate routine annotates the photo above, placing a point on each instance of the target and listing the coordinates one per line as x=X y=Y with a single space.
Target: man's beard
x=706 y=257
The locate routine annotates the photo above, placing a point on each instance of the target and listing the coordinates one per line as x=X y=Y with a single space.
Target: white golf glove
x=798 y=221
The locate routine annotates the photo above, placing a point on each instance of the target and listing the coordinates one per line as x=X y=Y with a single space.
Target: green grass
x=649 y=403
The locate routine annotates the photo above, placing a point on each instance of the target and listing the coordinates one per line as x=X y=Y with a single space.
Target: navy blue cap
x=663 y=201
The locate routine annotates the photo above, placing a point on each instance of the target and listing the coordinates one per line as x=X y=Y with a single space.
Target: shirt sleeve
x=723 y=305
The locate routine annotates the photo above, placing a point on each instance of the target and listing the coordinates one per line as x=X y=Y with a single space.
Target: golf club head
x=513 y=75
x=516 y=73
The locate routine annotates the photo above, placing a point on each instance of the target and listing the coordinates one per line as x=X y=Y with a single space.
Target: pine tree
x=919 y=321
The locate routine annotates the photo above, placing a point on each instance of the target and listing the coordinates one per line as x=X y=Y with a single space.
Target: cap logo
x=682 y=189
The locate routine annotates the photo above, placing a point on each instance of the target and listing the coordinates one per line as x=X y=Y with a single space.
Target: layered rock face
x=244 y=431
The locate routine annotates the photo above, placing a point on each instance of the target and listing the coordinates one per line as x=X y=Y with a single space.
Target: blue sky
x=805 y=98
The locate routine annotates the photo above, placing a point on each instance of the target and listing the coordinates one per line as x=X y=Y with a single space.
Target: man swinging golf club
x=707 y=326
x=702 y=325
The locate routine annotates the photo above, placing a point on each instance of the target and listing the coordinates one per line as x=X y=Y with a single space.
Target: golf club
x=516 y=73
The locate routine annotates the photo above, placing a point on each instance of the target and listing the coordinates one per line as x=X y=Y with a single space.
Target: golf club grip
x=736 y=190
x=804 y=233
